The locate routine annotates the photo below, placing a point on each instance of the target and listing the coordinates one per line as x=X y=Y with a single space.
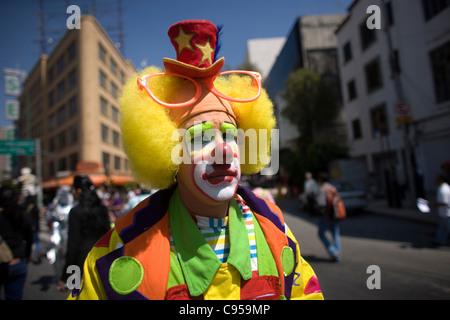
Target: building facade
x=262 y=53
x=310 y=44
x=396 y=89
x=70 y=102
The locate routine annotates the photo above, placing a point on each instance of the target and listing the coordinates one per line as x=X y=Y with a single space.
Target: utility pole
x=409 y=153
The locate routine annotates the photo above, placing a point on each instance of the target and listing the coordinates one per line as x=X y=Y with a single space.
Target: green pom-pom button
x=125 y=275
x=287 y=260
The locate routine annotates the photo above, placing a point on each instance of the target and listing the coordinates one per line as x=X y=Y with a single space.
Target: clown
x=202 y=236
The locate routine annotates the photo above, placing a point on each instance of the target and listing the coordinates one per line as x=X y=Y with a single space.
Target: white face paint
x=217 y=181
x=215 y=174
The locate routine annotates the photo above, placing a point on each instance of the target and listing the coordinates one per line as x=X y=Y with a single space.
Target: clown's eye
x=202 y=139
x=229 y=137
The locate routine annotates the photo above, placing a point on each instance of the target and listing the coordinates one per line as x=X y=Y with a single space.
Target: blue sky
x=145 y=25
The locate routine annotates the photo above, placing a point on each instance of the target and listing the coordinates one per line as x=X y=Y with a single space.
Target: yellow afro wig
x=147 y=129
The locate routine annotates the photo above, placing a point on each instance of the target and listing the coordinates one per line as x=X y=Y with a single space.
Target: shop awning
x=97 y=179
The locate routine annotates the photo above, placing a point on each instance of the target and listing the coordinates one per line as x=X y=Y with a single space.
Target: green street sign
x=17 y=147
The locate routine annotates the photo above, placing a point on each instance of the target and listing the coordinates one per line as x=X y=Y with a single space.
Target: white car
x=355 y=200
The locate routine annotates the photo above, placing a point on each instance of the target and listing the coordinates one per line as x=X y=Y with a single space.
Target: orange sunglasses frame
x=143 y=81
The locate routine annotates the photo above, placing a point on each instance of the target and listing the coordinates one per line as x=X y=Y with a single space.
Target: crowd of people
x=77 y=217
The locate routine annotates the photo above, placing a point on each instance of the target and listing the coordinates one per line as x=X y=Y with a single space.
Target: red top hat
x=195 y=42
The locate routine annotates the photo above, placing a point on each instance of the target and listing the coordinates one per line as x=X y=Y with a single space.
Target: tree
x=310 y=104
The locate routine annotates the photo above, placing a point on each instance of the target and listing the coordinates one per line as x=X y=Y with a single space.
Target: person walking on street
x=88 y=221
x=16 y=231
x=327 y=222
x=443 y=206
x=311 y=192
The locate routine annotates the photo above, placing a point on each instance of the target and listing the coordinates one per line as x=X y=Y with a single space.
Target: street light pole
x=400 y=98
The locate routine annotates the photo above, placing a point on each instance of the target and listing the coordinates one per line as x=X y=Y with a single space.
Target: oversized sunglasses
x=189 y=89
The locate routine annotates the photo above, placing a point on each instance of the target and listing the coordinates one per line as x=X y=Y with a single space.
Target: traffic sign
x=12 y=85
x=12 y=110
x=403 y=111
x=18 y=147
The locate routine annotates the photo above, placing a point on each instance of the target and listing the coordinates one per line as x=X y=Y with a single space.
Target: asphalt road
x=409 y=267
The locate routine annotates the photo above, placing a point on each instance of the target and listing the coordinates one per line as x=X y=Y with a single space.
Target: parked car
x=355 y=200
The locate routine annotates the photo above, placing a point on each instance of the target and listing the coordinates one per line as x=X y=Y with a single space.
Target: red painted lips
x=221 y=173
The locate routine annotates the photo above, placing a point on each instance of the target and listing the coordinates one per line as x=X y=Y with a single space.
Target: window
x=114 y=90
x=51 y=75
x=440 y=64
x=368 y=36
x=62 y=140
x=116 y=163
x=61 y=88
x=432 y=8
x=348 y=55
x=378 y=117
x=115 y=114
x=60 y=64
x=351 y=87
x=374 y=79
x=102 y=79
x=73 y=160
x=72 y=106
x=105 y=133
x=73 y=134
x=52 y=122
x=113 y=65
x=52 y=145
x=72 y=79
x=356 y=128
x=61 y=114
x=106 y=160
x=62 y=165
x=116 y=139
x=52 y=98
x=101 y=52
x=104 y=106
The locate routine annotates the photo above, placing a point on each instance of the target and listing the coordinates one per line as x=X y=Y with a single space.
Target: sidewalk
x=407 y=211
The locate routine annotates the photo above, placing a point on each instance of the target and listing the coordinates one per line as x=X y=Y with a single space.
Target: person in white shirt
x=311 y=192
x=443 y=207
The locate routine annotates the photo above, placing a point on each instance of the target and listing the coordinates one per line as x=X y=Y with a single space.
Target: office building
x=70 y=102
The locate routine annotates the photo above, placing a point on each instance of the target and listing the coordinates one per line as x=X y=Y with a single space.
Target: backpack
x=335 y=206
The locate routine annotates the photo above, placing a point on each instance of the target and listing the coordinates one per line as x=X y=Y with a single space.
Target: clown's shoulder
x=143 y=232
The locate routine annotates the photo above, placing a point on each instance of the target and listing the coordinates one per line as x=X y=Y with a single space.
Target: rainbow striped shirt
x=216 y=233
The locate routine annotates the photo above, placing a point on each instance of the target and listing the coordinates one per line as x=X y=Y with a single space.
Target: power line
x=52 y=17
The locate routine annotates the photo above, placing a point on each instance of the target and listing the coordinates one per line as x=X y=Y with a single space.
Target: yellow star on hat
x=184 y=40
x=207 y=52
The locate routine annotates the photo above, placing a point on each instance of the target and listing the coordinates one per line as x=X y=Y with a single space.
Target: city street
x=410 y=268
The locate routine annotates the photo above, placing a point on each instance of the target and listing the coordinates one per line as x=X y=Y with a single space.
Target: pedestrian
x=259 y=190
x=443 y=206
x=327 y=221
x=16 y=231
x=32 y=210
x=311 y=191
x=88 y=221
x=202 y=235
